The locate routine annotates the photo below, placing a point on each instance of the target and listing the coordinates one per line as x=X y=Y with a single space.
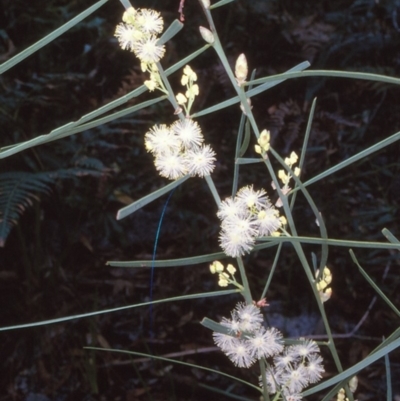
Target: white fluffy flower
x=224 y=341
x=249 y=316
x=200 y=161
x=240 y=354
x=149 y=21
x=127 y=36
x=315 y=368
x=249 y=214
x=231 y=208
x=305 y=349
x=189 y=132
x=159 y=139
x=171 y=165
x=147 y=50
x=251 y=198
x=236 y=242
x=265 y=343
x=268 y=221
x=295 y=379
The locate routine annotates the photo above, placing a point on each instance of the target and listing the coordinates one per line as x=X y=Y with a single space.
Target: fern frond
x=18 y=191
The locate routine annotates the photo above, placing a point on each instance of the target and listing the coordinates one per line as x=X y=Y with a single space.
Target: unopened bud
x=207 y=35
x=241 y=69
x=206 y=3
x=180 y=98
x=231 y=269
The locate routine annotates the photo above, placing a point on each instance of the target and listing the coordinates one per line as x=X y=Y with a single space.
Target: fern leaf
x=18 y=190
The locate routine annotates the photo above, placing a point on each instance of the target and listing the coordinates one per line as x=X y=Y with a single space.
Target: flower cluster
x=285 y=178
x=179 y=149
x=139 y=32
x=245 y=217
x=294 y=369
x=224 y=277
x=325 y=292
x=189 y=78
x=263 y=143
x=247 y=340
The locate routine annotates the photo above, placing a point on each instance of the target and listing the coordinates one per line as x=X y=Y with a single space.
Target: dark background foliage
x=54 y=253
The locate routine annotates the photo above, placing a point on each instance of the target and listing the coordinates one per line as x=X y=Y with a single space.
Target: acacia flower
x=240 y=354
x=284 y=360
x=147 y=50
x=295 y=379
x=305 y=349
x=189 y=132
x=268 y=221
x=265 y=343
x=160 y=139
x=235 y=243
x=231 y=208
x=127 y=36
x=200 y=161
x=244 y=218
x=224 y=341
x=314 y=368
x=149 y=21
x=171 y=165
x=252 y=198
x=249 y=316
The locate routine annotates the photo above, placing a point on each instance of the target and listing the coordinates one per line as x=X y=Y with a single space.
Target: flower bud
x=207 y=35
x=241 y=69
x=231 y=269
x=151 y=85
x=180 y=98
x=206 y=3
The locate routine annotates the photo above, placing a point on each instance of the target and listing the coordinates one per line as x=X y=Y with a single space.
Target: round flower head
x=171 y=165
x=240 y=354
x=189 y=132
x=249 y=316
x=149 y=21
x=147 y=50
x=251 y=198
x=268 y=221
x=231 y=208
x=244 y=224
x=305 y=350
x=224 y=341
x=233 y=325
x=295 y=379
x=127 y=36
x=315 y=368
x=284 y=360
x=200 y=161
x=235 y=242
x=159 y=139
x=265 y=343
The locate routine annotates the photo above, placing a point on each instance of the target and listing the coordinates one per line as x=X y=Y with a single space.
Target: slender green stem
x=246 y=292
